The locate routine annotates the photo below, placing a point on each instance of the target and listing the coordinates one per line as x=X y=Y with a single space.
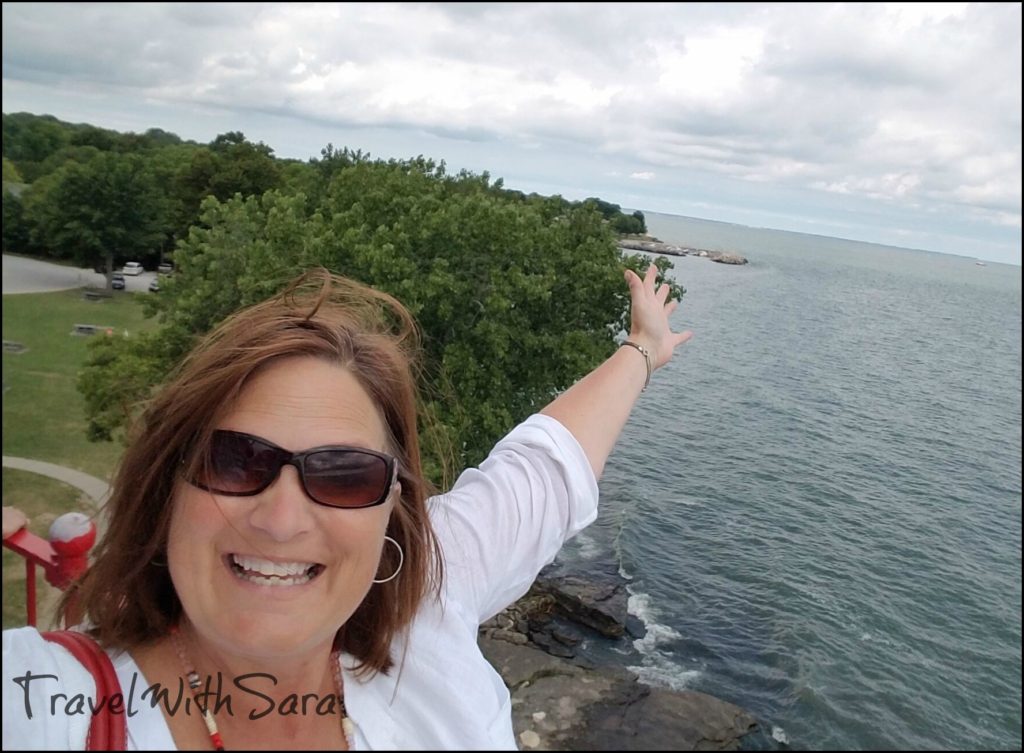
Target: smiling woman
x=273 y=544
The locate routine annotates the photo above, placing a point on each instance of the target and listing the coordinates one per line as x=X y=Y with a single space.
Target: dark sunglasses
x=242 y=465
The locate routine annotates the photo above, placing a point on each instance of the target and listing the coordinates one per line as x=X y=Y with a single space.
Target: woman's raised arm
x=596 y=408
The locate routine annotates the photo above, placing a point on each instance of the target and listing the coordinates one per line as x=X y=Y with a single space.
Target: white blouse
x=498 y=526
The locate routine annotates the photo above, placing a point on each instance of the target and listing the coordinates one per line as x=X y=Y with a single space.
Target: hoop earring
x=401 y=561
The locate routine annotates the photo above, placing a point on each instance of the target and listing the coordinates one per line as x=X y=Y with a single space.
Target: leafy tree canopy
x=620 y=222
x=32 y=138
x=101 y=138
x=518 y=295
x=517 y=298
x=230 y=165
x=97 y=211
x=11 y=174
x=17 y=233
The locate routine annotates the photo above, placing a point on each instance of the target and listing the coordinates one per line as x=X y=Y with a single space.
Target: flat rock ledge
x=562 y=701
x=654 y=246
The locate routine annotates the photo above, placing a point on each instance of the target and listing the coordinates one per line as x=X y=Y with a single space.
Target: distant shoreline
x=652 y=245
x=879 y=244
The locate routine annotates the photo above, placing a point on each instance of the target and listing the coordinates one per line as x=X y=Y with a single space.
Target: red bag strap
x=107 y=731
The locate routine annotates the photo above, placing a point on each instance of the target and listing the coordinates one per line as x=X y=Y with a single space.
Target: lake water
x=818 y=501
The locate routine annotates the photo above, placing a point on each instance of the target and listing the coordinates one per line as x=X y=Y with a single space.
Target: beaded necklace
x=194 y=683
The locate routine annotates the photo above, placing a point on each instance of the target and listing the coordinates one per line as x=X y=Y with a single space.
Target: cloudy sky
x=896 y=124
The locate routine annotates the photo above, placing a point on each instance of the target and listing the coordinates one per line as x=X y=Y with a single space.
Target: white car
x=132 y=268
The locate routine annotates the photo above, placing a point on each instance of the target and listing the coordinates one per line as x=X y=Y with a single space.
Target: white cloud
x=903 y=104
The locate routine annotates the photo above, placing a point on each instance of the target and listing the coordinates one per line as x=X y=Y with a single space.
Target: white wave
x=586 y=547
x=656 y=635
x=665 y=674
x=639 y=605
x=657 y=667
x=875 y=638
x=779 y=735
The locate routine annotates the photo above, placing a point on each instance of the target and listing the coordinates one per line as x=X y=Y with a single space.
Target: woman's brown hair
x=127 y=594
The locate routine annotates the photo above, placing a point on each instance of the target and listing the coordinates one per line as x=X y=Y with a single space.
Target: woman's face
x=221 y=549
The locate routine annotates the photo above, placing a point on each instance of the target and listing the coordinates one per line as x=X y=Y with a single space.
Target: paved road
x=21 y=275
x=96 y=488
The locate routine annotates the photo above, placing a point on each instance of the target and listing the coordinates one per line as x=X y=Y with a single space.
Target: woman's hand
x=649 y=317
x=14 y=521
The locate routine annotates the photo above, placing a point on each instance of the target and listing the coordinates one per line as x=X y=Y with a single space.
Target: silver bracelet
x=647 y=359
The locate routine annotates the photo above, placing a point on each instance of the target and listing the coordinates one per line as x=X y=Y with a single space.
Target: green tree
x=330 y=163
x=624 y=223
x=11 y=174
x=97 y=212
x=168 y=164
x=17 y=232
x=613 y=214
x=516 y=299
x=159 y=137
x=243 y=168
x=639 y=216
x=100 y=138
x=229 y=165
x=32 y=138
x=64 y=155
x=29 y=139
x=299 y=177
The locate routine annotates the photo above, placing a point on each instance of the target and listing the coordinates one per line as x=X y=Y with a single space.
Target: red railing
x=64 y=558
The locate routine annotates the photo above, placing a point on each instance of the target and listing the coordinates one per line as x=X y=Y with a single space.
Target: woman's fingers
x=13 y=521
x=651 y=312
x=650 y=277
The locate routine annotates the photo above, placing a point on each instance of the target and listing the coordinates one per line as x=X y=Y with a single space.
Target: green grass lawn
x=44 y=414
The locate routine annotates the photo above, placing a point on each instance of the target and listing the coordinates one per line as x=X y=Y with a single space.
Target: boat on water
x=981 y=263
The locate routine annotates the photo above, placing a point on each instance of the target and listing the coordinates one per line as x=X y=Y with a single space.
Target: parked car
x=117 y=281
x=132 y=268
x=165 y=267
x=154 y=285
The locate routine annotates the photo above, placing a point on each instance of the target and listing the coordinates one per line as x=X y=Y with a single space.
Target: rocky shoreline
x=562 y=699
x=652 y=245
